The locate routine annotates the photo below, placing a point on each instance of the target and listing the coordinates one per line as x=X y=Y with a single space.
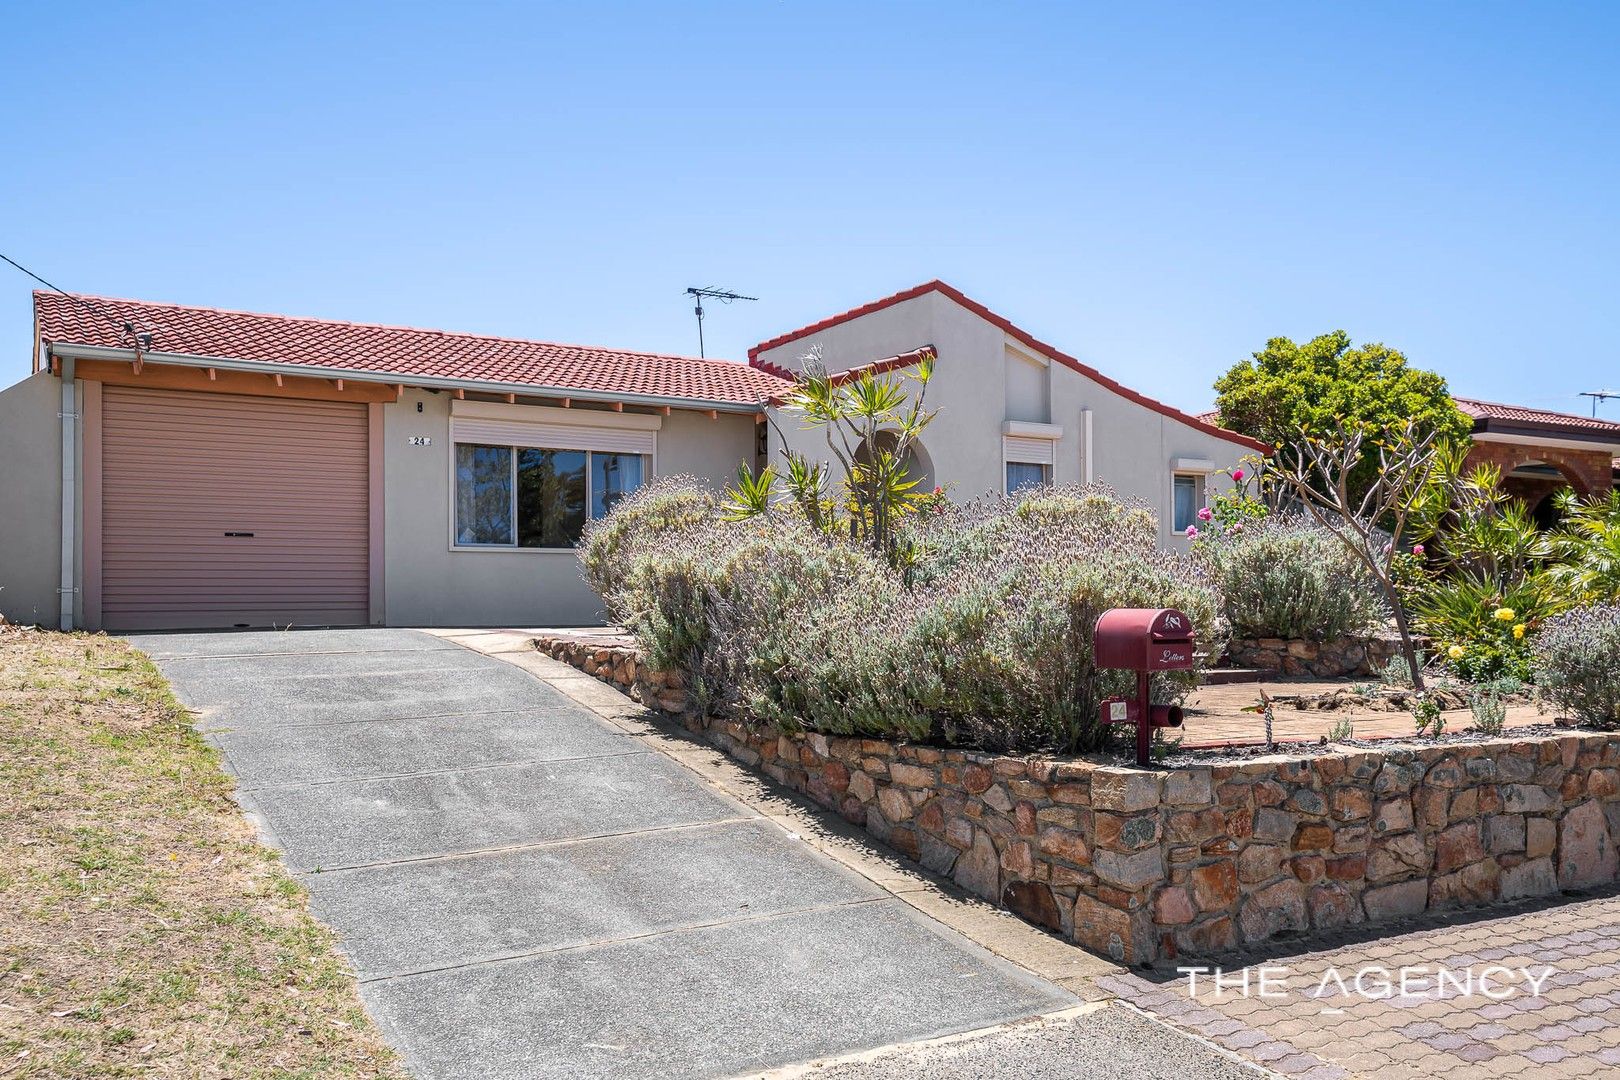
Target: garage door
x=226 y=510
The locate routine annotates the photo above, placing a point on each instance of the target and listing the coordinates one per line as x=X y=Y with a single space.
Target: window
x=613 y=476
x=550 y=497
x=483 y=494
x=1188 y=492
x=531 y=497
x=1024 y=474
x=1028 y=453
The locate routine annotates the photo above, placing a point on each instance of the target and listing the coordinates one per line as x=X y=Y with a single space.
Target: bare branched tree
x=1373 y=522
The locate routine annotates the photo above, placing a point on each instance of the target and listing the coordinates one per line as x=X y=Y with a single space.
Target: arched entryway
x=1538 y=483
x=919 y=466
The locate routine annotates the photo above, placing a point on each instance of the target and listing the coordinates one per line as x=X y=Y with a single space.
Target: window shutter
x=551 y=436
x=1030 y=451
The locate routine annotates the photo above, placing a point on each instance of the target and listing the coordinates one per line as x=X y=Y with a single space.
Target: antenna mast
x=1599 y=395
x=722 y=295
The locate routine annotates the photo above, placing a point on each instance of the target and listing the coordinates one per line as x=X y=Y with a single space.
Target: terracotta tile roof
x=397 y=351
x=1021 y=335
x=876 y=367
x=1519 y=414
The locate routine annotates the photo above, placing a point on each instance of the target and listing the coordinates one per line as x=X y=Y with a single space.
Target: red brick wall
x=1587 y=471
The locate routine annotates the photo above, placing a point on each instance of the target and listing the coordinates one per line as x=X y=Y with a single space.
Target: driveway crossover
x=525 y=890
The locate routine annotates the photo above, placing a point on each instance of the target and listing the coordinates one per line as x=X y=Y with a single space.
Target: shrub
x=1287 y=578
x=984 y=639
x=1482 y=628
x=1489 y=709
x=712 y=599
x=1575 y=663
x=612 y=543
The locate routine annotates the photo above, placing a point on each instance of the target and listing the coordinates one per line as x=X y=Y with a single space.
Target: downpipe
x=69 y=415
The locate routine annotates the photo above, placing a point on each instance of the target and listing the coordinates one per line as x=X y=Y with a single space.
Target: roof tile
x=1492 y=410
x=397 y=351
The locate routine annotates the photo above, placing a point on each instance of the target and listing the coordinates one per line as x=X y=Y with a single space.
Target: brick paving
x=1312 y=1026
x=1215 y=714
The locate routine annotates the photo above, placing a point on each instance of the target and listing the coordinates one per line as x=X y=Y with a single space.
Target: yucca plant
x=1587 y=547
x=751 y=495
x=870 y=423
x=1484 y=533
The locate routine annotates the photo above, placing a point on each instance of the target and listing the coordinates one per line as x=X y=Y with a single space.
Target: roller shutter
x=228 y=510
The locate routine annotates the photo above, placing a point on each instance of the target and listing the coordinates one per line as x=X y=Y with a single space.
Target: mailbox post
x=1143 y=640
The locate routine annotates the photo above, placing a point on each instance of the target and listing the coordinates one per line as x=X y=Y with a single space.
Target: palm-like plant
x=1587 y=547
x=1475 y=530
x=870 y=423
x=750 y=495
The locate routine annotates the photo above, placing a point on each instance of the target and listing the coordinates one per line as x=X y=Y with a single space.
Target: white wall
x=1133 y=446
x=31 y=500
x=427 y=583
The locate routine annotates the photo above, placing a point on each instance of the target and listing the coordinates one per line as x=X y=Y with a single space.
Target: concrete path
x=527 y=888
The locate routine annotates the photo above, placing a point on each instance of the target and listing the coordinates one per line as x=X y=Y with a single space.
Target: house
x=1540 y=452
x=184 y=467
x=1013 y=410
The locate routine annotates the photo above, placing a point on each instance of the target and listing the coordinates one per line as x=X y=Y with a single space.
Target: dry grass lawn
x=143 y=929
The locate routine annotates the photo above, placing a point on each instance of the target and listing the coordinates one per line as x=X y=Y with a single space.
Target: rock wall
x=1150 y=865
x=1323 y=660
x=616 y=660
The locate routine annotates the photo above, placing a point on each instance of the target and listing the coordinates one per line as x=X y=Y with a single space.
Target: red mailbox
x=1143 y=640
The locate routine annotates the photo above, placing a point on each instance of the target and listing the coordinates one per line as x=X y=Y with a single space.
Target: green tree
x=1327 y=386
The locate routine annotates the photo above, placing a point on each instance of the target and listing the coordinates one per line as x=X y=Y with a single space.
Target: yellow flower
x=1456 y=652
x=1506 y=614
x=1518 y=630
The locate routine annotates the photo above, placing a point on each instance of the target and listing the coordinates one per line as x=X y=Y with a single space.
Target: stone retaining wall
x=1150 y=865
x=1323 y=660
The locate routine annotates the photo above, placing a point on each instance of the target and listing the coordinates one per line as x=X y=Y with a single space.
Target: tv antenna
x=1595 y=395
x=725 y=297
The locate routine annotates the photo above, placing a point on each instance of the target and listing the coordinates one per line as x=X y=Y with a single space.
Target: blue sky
x=1155 y=189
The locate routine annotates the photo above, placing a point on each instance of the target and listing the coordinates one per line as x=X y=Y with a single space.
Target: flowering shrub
x=1232 y=509
x=1575 y=663
x=611 y=543
x=984 y=639
x=1284 y=577
x=1481 y=628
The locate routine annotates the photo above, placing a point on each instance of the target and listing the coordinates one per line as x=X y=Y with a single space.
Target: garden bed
x=1150 y=865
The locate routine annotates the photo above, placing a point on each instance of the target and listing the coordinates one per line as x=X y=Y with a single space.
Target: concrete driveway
x=526 y=890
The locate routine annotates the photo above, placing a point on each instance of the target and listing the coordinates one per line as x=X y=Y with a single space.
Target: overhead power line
x=126 y=326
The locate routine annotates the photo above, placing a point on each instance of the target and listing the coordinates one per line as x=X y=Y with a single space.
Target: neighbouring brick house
x=1541 y=452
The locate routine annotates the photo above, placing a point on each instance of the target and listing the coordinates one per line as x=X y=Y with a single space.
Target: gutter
x=68 y=353
x=69 y=414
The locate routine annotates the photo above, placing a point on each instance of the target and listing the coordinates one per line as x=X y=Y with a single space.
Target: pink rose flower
x=1192 y=532
x=1205 y=513
x=1237 y=474
x=1417 y=549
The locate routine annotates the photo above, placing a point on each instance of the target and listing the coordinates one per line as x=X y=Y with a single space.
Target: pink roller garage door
x=226 y=510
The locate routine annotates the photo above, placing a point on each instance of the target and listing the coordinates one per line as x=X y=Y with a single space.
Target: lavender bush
x=1577 y=663
x=1285 y=577
x=984 y=640
x=613 y=542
